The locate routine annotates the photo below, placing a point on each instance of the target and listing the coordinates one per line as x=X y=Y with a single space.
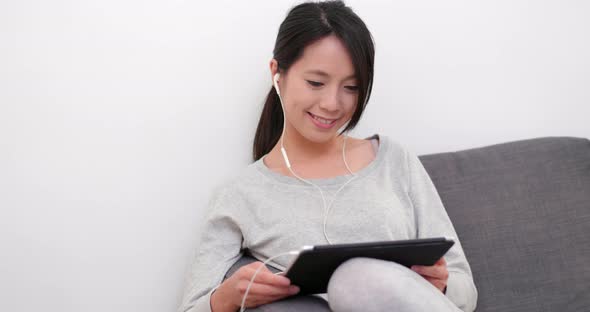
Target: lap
x=307 y=303
x=378 y=285
x=366 y=284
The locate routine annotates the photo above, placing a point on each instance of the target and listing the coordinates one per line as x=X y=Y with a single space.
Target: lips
x=321 y=122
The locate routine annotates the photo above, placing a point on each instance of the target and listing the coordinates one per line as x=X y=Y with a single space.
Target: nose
x=331 y=101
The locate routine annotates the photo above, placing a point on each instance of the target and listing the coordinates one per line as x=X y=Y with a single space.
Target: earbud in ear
x=276 y=83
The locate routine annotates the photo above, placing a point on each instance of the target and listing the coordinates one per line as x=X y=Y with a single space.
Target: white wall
x=118 y=117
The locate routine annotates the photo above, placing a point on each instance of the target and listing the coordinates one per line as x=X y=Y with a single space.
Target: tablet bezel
x=314 y=265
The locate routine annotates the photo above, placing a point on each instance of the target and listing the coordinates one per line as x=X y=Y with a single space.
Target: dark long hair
x=305 y=24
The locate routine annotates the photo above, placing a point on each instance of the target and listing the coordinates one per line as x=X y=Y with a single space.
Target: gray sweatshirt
x=268 y=213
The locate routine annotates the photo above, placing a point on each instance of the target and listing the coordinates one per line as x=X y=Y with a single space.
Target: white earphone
x=276 y=85
x=288 y=164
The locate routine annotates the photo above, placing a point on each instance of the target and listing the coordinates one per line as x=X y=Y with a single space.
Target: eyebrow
x=322 y=73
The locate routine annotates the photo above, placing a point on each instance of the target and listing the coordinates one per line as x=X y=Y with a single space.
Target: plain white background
x=117 y=118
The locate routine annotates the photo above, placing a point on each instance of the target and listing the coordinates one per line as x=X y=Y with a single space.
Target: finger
x=436 y=282
x=267 y=277
x=279 y=297
x=432 y=271
x=258 y=289
x=438 y=263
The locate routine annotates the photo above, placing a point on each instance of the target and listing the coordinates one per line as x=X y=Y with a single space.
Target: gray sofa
x=522 y=212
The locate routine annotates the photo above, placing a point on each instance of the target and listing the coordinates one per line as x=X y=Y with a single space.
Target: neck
x=301 y=150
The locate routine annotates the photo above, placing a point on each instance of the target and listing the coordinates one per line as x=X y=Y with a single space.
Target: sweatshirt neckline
x=381 y=150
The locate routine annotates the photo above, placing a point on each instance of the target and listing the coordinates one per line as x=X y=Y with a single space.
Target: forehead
x=328 y=55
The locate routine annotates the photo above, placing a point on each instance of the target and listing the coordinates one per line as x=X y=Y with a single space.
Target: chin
x=313 y=134
x=321 y=136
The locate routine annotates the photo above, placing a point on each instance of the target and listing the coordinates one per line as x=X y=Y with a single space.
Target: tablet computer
x=312 y=268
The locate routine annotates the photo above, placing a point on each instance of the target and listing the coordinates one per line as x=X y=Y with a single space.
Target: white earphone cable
x=293 y=252
x=288 y=164
x=284 y=152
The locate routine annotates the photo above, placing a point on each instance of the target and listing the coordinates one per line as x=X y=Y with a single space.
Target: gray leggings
x=365 y=284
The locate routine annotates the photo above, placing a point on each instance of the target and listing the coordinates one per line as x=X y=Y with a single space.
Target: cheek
x=297 y=108
x=350 y=105
x=303 y=101
x=302 y=97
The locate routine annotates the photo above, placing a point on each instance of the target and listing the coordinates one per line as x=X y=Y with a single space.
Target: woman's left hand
x=436 y=274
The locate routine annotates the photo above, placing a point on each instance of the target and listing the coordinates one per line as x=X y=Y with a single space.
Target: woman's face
x=319 y=91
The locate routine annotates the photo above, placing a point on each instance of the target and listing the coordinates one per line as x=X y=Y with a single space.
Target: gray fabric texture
x=363 y=284
x=373 y=285
x=268 y=214
x=522 y=210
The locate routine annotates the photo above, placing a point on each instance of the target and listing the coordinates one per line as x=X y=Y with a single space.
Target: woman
x=372 y=189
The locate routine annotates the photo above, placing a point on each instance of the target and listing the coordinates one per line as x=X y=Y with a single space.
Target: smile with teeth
x=322 y=120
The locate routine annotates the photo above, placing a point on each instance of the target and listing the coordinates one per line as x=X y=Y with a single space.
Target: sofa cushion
x=522 y=212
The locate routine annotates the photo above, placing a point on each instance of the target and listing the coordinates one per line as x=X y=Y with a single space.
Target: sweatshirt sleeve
x=218 y=248
x=432 y=220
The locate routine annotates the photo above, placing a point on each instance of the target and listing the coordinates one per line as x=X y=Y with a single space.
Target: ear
x=274 y=69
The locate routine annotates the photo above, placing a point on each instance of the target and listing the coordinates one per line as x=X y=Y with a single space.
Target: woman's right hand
x=266 y=287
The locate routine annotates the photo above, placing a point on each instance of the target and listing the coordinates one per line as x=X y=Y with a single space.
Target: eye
x=314 y=83
x=352 y=88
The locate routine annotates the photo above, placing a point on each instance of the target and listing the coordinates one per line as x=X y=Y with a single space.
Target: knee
x=366 y=284
x=350 y=286
x=295 y=303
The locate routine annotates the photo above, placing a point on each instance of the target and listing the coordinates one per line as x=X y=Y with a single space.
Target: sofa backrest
x=522 y=212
